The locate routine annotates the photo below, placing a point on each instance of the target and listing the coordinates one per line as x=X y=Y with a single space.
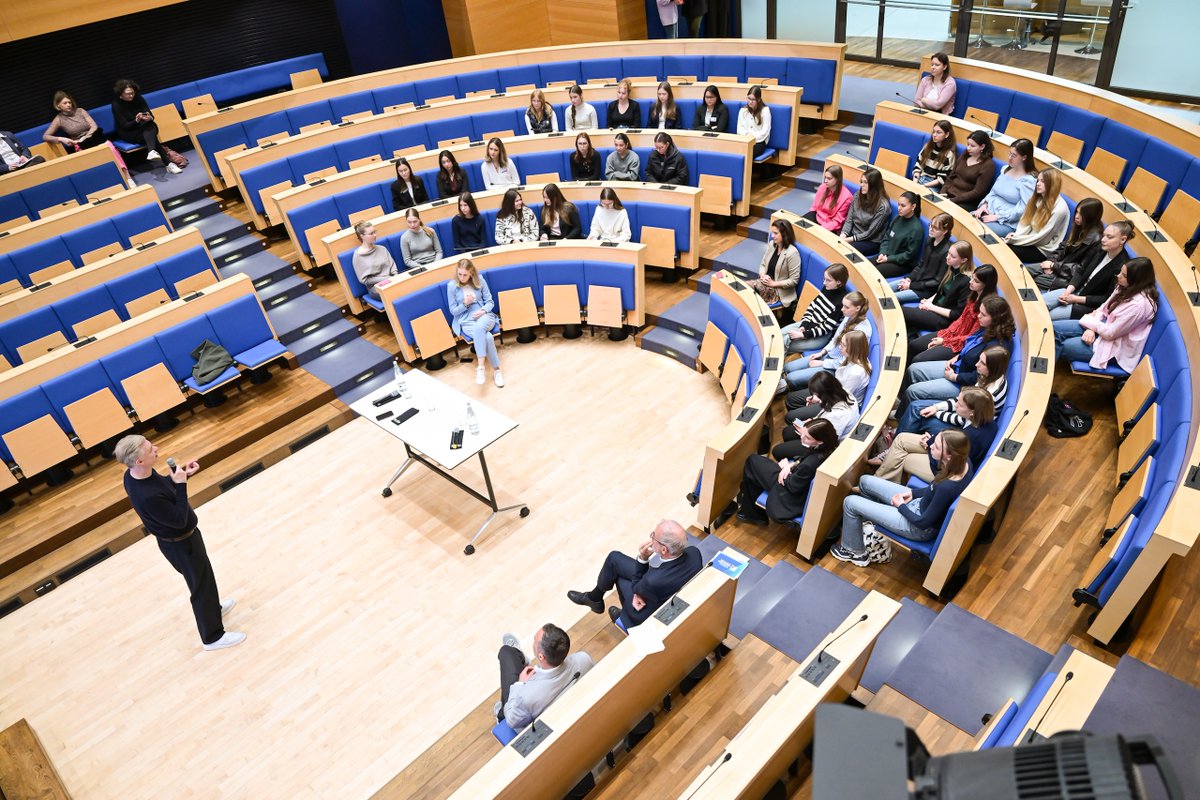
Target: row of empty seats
x=46 y=189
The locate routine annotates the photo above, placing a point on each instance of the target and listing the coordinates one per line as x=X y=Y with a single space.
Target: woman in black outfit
x=946 y=304
x=786 y=483
x=624 y=112
x=711 y=115
x=467 y=227
x=451 y=179
x=585 y=161
x=664 y=114
x=408 y=189
x=666 y=164
x=135 y=123
x=560 y=218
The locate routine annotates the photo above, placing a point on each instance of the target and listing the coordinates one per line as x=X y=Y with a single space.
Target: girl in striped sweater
x=816 y=326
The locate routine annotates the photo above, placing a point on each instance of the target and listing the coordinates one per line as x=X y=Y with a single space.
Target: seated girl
x=945 y=342
x=560 y=218
x=467 y=226
x=831 y=205
x=515 y=221
x=408 y=189
x=947 y=301
x=936 y=90
x=372 y=264
x=1114 y=334
x=622 y=164
x=914 y=514
x=580 y=116
x=816 y=326
x=931 y=416
x=854 y=317
x=971 y=177
x=664 y=114
x=610 y=221
x=854 y=374
x=539 y=117
x=472 y=312
x=786 y=483
x=902 y=238
x=1093 y=279
x=624 y=112
x=1003 y=206
x=940 y=380
x=1055 y=271
x=868 y=215
x=755 y=120
x=585 y=161
x=973 y=412
x=931 y=267
x=834 y=403
x=937 y=156
x=451 y=179
x=499 y=171
x=1044 y=221
x=779 y=271
x=711 y=115
x=419 y=245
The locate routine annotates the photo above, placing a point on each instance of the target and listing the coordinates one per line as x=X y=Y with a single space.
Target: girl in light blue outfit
x=472 y=307
x=854 y=317
x=1003 y=206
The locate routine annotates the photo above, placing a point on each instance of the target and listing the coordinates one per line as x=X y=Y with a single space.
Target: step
x=671 y=344
x=798 y=201
x=894 y=643
x=351 y=365
x=688 y=316
x=173 y=204
x=756 y=228
x=778 y=581
x=296 y=318
x=742 y=259
x=324 y=339
x=853 y=133
x=817 y=605
x=262 y=268
x=236 y=248
x=218 y=229
x=189 y=213
x=166 y=185
x=281 y=291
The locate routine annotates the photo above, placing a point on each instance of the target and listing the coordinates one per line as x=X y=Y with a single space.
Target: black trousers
x=917 y=319
x=891 y=269
x=759 y=474
x=1027 y=253
x=759 y=148
x=512 y=662
x=619 y=570
x=790 y=448
x=868 y=249
x=145 y=132
x=919 y=350
x=190 y=559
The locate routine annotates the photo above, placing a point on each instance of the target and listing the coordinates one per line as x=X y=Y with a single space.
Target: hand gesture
x=900 y=498
x=927 y=412
x=526 y=673
x=477 y=313
x=816 y=361
x=926 y=438
x=638 y=602
x=935 y=342
x=903 y=284
x=468 y=297
x=1047 y=267
x=949 y=372
x=646 y=549
x=1089 y=337
x=796 y=333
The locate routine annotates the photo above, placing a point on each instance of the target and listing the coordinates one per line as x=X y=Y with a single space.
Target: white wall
x=1158 y=51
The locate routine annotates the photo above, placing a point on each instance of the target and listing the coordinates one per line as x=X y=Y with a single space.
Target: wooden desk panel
x=42 y=229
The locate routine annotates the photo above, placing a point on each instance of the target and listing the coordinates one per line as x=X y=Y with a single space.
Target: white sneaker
x=499 y=379
x=226 y=605
x=230 y=639
x=496 y=709
x=479 y=376
x=782 y=388
x=173 y=169
x=153 y=156
x=511 y=641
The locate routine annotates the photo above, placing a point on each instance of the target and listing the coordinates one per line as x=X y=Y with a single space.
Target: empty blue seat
x=83 y=306
x=344 y=105
x=418 y=304
x=1124 y=141
x=478 y=81
x=28 y=327
x=432 y=88
x=309 y=114
x=245 y=332
x=177 y=345
x=816 y=76
x=73 y=386
x=18 y=411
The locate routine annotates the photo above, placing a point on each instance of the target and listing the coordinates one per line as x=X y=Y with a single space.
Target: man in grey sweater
x=528 y=689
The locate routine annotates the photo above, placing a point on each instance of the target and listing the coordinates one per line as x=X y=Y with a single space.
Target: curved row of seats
x=27 y=193
x=42 y=249
x=1152 y=158
x=553 y=279
x=85 y=312
x=820 y=80
x=680 y=221
x=295 y=169
x=226 y=88
x=59 y=405
x=1139 y=510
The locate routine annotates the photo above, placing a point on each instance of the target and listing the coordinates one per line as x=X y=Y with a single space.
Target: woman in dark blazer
x=786 y=483
x=408 y=189
x=711 y=115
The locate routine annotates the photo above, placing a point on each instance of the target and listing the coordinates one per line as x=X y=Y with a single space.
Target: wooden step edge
x=125 y=529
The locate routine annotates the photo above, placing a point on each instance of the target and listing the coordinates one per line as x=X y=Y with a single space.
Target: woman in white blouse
x=755 y=120
x=580 y=116
x=610 y=222
x=499 y=170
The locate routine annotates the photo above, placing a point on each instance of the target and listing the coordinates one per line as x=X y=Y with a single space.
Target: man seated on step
x=528 y=687
x=643 y=587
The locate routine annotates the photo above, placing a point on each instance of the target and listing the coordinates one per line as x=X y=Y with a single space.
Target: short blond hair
x=129 y=449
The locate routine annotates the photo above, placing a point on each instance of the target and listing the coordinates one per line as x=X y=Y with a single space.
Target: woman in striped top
x=815 y=328
x=854 y=317
x=936 y=415
x=908 y=454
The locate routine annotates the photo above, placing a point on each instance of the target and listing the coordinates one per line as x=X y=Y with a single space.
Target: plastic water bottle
x=472 y=421
x=401 y=383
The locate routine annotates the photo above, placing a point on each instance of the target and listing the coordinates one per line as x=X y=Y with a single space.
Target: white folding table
x=426 y=435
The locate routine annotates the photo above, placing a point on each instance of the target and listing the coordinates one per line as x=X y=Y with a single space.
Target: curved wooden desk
x=464 y=152
x=1176 y=535
x=345 y=239
x=22 y=179
x=72 y=218
x=988 y=490
x=842 y=469
x=770 y=48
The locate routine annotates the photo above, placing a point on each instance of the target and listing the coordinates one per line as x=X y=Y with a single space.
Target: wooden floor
x=370 y=634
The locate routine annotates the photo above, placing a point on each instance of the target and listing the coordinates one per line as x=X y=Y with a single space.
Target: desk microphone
x=1037 y=363
x=1009 y=447
x=862 y=430
x=885 y=301
x=570 y=683
x=862 y=162
x=991 y=131
x=986 y=232
x=891 y=362
x=771 y=361
x=1027 y=292
x=1195 y=296
x=821 y=655
x=1125 y=205
x=910 y=100
x=724 y=761
x=1033 y=731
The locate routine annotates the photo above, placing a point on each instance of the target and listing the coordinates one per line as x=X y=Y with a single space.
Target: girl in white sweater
x=755 y=120
x=610 y=222
x=1043 y=224
x=499 y=171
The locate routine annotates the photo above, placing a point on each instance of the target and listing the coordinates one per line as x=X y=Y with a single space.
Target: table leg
x=496 y=509
x=387 y=490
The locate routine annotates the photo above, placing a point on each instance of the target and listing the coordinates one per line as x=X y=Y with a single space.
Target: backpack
x=1064 y=419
